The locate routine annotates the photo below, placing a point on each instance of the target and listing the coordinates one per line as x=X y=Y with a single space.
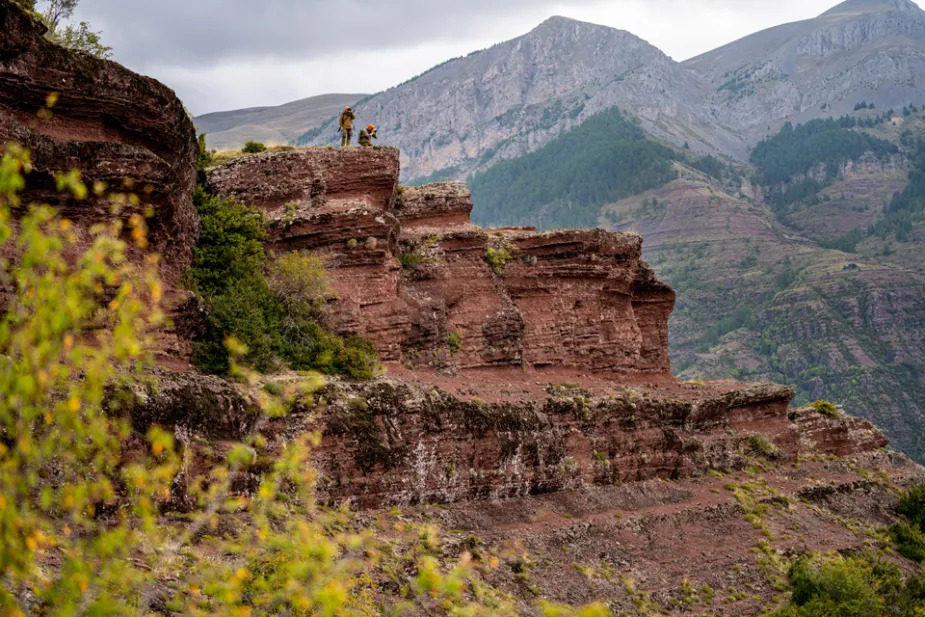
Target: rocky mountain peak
x=857 y=7
x=559 y=21
x=572 y=30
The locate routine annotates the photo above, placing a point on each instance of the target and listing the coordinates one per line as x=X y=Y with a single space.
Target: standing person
x=346 y=127
x=365 y=135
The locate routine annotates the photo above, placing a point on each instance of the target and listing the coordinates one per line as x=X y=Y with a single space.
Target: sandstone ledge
x=397 y=442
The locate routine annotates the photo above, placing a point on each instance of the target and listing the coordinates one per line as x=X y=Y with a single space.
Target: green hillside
x=565 y=183
x=838 y=316
x=796 y=151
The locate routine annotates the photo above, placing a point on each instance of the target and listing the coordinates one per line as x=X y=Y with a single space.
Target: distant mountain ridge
x=860 y=50
x=512 y=98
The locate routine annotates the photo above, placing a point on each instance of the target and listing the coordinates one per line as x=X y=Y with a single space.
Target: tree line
x=564 y=183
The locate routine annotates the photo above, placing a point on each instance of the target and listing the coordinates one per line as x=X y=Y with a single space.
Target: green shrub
x=230 y=246
x=411 y=261
x=299 y=278
x=826 y=408
x=499 y=255
x=247 y=311
x=271 y=308
x=251 y=147
x=206 y=156
x=910 y=541
x=831 y=585
x=912 y=506
x=833 y=577
x=857 y=586
x=353 y=356
x=762 y=446
x=497 y=258
x=454 y=341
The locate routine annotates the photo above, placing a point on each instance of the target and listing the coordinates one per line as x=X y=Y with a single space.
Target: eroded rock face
x=389 y=443
x=441 y=204
x=125 y=130
x=406 y=442
x=672 y=486
x=431 y=289
x=198 y=404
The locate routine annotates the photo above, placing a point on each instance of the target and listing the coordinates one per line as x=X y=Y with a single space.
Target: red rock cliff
x=128 y=131
x=431 y=289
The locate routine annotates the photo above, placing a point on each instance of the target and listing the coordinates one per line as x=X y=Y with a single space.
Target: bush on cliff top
x=252 y=147
x=826 y=408
x=271 y=306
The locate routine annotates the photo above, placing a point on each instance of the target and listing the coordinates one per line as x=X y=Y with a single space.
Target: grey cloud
x=202 y=32
x=224 y=54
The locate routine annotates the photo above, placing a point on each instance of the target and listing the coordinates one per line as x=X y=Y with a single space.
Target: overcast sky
x=228 y=54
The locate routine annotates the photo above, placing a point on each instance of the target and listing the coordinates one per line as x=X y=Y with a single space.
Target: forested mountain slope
x=820 y=287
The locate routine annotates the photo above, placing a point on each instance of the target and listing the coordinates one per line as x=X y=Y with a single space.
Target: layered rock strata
x=129 y=132
x=431 y=289
x=679 y=496
x=401 y=442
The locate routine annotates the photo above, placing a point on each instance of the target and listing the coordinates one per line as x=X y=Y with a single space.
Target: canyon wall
x=129 y=132
x=430 y=289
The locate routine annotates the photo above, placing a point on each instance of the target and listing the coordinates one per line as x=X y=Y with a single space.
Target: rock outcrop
x=388 y=443
x=520 y=362
x=117 y=127
x=407 y=441
x=431 y=289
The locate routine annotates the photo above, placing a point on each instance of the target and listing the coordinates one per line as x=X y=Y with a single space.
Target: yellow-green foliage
x=498 y=258
x=454 y=341
x=299 y=278
x=826 y=408
x=836 y=586
x=499 y=253
x=760 y=445
x=81 y=526
x=70 y=327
